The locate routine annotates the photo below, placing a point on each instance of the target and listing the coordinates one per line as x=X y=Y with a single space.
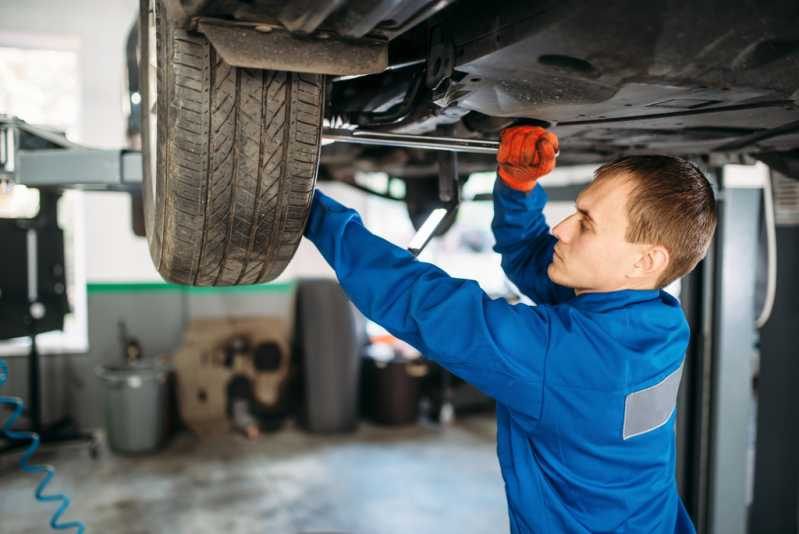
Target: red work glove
x=526 y=153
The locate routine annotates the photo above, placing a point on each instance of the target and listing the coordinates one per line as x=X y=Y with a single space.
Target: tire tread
x=239 y=153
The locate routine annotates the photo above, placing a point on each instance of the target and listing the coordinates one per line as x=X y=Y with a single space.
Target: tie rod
x=450 y=144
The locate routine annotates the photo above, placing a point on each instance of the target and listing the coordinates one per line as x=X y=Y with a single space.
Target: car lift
x=38 y=157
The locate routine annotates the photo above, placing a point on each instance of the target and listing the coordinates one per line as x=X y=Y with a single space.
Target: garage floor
x=380 y=480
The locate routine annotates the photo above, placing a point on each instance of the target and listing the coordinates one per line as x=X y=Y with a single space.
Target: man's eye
x=583 y=225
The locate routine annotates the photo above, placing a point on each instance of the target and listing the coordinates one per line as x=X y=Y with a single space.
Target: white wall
x=101 y=28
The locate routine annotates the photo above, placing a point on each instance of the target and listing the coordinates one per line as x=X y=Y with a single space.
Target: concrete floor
x=379 y=480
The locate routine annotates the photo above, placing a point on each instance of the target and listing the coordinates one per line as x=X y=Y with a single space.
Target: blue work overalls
x=585 y=385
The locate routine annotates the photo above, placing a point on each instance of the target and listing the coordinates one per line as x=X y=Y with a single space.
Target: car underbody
x=614 y=78
x=241 y=97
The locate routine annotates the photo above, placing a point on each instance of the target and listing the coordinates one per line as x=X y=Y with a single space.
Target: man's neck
x=625 y=287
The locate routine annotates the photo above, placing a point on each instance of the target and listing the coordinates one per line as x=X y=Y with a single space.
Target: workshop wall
x=154 y=314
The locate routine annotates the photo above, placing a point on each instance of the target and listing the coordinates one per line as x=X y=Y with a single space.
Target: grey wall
x=155 y=318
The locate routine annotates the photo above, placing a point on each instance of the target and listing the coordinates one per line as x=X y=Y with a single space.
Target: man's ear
x=653 y=262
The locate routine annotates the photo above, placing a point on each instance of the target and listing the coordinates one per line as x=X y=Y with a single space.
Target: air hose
x=33 y=438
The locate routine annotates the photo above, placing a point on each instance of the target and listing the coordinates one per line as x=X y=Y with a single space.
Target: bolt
x=37 y=310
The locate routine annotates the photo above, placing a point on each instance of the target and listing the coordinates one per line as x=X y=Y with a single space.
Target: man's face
x=592 y=254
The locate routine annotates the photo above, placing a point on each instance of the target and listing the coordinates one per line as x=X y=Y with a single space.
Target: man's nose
x=561 y=230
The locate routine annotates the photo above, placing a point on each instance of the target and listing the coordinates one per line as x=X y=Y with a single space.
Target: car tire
x=230 y=172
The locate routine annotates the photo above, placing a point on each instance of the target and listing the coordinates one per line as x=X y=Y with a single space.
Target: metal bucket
x=135 y=406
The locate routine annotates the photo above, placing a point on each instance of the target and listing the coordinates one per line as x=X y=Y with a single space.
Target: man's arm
x=497 y=347
x=523 y=239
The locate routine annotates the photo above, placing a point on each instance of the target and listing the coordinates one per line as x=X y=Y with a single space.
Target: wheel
x=329 y=336
x=421 y=198
x=230 y=158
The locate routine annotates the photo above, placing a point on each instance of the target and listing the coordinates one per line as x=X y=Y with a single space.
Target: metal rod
x=416 y=137
x=452 y=144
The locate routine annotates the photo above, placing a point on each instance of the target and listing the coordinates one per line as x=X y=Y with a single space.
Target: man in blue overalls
x=586 y=380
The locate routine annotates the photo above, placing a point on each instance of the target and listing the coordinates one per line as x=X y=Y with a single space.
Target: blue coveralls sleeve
x=497 y=347
x=525 y=244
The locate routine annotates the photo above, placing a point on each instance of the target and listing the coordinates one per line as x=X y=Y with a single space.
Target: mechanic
x=585 y=381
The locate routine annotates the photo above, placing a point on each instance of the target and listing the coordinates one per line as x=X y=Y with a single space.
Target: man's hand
x=526 y=153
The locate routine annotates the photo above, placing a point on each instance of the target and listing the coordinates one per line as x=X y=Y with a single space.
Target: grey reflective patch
x=652 y=407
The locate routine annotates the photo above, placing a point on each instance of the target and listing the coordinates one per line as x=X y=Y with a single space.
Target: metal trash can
x=135 y=405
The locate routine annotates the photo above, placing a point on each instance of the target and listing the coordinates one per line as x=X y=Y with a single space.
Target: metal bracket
x=274 y=48
x=86 y=168
x=448 y=191
x=440 y=59
x=37 y=157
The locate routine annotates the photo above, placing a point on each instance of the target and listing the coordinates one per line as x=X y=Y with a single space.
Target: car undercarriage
x=711 y=81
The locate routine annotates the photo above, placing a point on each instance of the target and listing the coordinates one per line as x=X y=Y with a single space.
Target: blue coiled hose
x=49 y=471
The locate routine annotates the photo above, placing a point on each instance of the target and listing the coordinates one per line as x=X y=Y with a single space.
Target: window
x=40 y=85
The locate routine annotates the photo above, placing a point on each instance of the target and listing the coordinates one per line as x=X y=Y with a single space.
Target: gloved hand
x=526 y=153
